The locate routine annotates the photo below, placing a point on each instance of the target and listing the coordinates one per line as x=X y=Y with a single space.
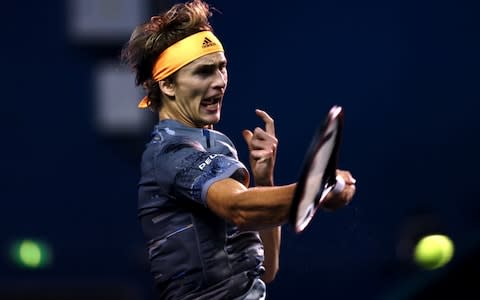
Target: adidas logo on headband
x=207 y=43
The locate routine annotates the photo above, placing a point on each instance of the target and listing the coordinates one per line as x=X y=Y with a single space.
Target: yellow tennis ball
x=433 y=251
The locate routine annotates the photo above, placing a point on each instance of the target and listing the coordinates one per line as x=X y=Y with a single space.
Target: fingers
x=350 y=192
x=269 y=125
x=262 y=143
x=347 y=176
x=341 y=198
x=262 y=154
x=257 y=146
x=262 y=140
x=260 y=135
x=247 y=136
x=334 y=201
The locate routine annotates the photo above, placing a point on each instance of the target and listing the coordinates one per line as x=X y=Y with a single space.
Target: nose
x=221 y=79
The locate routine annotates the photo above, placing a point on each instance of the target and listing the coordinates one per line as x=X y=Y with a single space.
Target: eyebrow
x=212 y=63
x=209 y=64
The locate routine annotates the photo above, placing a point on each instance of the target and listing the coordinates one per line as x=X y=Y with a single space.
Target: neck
x=164 y=114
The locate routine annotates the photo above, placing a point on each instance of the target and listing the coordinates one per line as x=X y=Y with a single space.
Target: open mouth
x=211 y=103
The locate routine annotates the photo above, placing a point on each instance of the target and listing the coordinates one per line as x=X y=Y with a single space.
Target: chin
x=209 y=124
x=212 y=120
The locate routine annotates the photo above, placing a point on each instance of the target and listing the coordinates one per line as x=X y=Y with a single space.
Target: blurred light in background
x=102 y=27
x=116 y=99
x=104 y=22
x=31 y=253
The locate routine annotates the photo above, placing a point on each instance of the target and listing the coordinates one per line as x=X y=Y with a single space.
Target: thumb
x=247 y=135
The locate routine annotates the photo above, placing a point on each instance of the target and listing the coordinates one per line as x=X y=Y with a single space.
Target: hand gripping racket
x=318 y=173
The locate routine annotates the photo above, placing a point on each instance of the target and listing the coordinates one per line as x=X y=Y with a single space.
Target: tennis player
x=209 y=235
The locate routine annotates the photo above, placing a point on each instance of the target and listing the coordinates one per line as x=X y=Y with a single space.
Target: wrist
x=263 y=182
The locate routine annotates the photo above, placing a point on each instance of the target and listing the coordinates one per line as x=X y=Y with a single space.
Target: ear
x=167 y=87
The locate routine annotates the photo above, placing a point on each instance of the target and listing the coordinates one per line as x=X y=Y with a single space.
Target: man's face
x=199 y=88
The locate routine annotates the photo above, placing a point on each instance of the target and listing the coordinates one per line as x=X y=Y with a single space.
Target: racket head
x=318 y=172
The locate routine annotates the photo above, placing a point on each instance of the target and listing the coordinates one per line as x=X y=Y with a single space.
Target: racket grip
x=339 y=185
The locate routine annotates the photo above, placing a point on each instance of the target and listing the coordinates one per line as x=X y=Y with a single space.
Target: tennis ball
x=433 y=251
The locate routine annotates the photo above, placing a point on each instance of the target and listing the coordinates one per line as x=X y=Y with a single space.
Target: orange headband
x=180 y=54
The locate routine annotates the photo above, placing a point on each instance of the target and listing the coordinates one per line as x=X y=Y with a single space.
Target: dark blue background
x=406 y=73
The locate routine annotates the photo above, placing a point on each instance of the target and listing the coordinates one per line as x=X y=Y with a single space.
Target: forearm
x=271 y=239
x=268 y=181
x=255 y=208
x=263 y=207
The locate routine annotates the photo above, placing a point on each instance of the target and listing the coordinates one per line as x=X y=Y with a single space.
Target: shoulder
x=222 y=137
x=167 y=140
x=224 y=145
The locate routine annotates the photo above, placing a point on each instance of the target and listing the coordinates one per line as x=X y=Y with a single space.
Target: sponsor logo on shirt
x=207 y=161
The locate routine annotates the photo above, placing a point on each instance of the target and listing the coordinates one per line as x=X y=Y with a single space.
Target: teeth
x=212 y=100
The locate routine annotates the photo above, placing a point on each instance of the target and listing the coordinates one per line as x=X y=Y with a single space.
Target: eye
x=205 y=70
x=223 y=67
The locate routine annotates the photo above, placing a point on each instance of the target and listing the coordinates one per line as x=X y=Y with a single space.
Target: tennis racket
x=318 y=173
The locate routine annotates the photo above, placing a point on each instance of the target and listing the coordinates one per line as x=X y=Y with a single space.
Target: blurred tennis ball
x=433 y=251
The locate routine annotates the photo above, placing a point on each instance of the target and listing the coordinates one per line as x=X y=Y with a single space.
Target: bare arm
x=265 y=207
x=259 y=208
x=262 y=145
x=254 y=208
x=271 y=239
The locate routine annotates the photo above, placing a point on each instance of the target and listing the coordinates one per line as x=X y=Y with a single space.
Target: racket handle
x=339 y=185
